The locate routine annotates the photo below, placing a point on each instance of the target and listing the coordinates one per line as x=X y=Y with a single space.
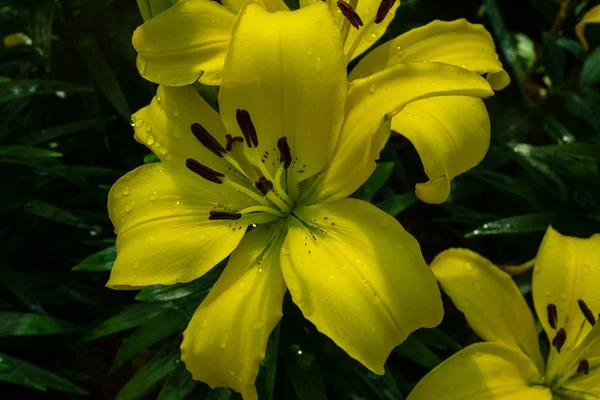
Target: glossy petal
x=591 y=17
x=164 y=125
x=160 y=213
x=369 y=103
x=188 y=42
x=359 y=277
x=567 y=269
x=483 y=371
x=458 y=43
x=489 y=298
x=269 y=5
x=227 y=337
x=292 y=83
x=451 y=135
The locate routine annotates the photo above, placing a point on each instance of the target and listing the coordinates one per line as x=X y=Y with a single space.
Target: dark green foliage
x=65 y=138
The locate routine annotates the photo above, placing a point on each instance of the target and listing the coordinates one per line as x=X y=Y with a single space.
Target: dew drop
x=416 y=116
x=132 y=121
x=177 y=132
x=384 y=223
x=163 y=151
x=468 y=266
x=224 y=346
x=256 y=325
x=399 y=51
x=319 y=64
x=136 y=265
x=158 y=98
x=129 y=207
x=261 y=269
x=310 y=51
x=586 y=269
x=318 y=25
x=126 y=191
x=563 y=295
x=372 y=37
x=153 y=195
x=148 y=128
x=150 y=140
x=231 y=372
x=139 y=122
x=372 y=88
x=367 y=10
x=285 y=251
x=240 y=288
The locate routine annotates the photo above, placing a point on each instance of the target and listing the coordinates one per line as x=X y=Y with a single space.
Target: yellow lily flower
x=266 y=180
x=509 y=364
x=591 y=17
x=188 y=42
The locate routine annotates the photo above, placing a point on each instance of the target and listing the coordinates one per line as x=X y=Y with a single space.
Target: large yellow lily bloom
x=266 y=180
x=509 y=365
x=188 y=42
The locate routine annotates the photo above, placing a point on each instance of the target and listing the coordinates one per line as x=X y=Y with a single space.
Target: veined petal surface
x=188 y=42
x=160 y=213
x=359 y=277
x=164 y=125
x=227 y=337
x=483 y=371
x=292 y=83
x=370 y=103
x=567 y=270
x=451 y=135
x=457 y=42
x=489 y=298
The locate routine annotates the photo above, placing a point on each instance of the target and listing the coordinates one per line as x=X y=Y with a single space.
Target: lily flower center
x=246 y=170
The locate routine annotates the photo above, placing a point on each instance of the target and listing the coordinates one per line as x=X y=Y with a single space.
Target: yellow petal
x=160 y=213
x=451 y=135
x=359 y=277
x=188 y=42
x=369 y=101
x=591 y=17
x=164 y=125
x=483 y=371
x=227 y=337
x=457 y=42
x=292 y=83
x=589 y=350
x=490 y=300
x=359 y=40
x=567 y=269
x=269 y=5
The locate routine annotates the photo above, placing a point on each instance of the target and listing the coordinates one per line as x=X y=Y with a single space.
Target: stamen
x=351 y=15
x=583 y=367
x=202 y=170
x=215 y=215
x=552 y=315
x=231 y=140
x=284 y=150
x=384 y=8
x=264 y=185
x=245 y=122
x=560 y=339
x=587 y=313
x=207 y=140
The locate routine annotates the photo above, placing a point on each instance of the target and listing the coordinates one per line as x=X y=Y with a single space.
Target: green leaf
x=515 y=225
x=582 y=150
x=376 y=181
x=437 y=338
x=398 y=203
x=554 y=59
x=103 y=74
x=59 y=131
x=506 y=183
x=151 y=374
x=304 y=373
x=573 y=46
x=147 y=335
x=150 y=158
x=100 y=261
x=178 y=386
x=45 y=210
x=151 y=8
x=130 y=317
x=19 y=151
x=557 y=130
x=13 y=370
x=590 y=73
x=179 y=290
x=24 y=324
x=265 y=382
x=17 y=285
x=416 y=351
x=28 y=87
x=219 y=394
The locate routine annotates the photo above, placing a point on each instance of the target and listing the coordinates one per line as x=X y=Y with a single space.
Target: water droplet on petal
x=163 y=151
x=319 y=64
x=367 y=10
x=136 y=265
x=231 y=372
x=129 y=207
x=586 y=269
x=261 y=269
x=372 y=88
x=372 y=37
x=158 y=98
x=126 y=191
x=153 y=195
x=468 y=266
x=318 y=25
x=150 y=140
x=148 y=127
x=177 y=132
x=310 y=51
x=384 y=223
x=256 y=325
x=285 y=251
x=139 y=122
